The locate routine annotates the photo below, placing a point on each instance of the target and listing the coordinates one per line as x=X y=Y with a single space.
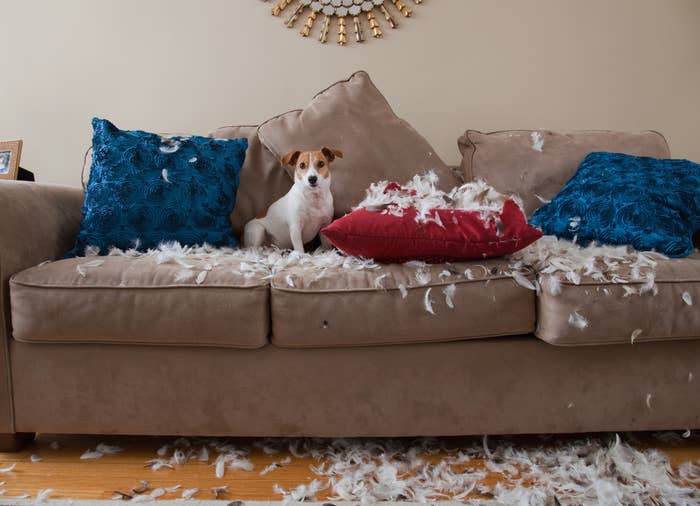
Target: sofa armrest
x=38 y=222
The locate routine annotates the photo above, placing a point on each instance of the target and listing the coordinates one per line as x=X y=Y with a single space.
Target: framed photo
x=10 y=151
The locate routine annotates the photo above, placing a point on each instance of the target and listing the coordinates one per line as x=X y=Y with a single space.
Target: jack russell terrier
x=296 y=218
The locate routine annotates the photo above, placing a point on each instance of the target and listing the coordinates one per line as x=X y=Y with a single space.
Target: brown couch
x=123 y=350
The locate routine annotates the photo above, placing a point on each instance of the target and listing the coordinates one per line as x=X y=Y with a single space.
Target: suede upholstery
x=263 y=180
x=39 y=223
x=509 y=162
x=322 y=311
x=383 y=146
x=139 y=301
x=507 y=385
x=613 y=314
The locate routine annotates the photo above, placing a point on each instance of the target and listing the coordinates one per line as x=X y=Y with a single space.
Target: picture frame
x=10 y=153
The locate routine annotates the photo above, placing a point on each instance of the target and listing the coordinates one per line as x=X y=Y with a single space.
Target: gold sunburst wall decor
x=346 y=13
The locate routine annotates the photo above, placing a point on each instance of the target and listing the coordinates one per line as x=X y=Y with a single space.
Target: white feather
x=427 y=302
x=687 y=298
x=8 y=469
x=542 y=199
x=183 y=275
x=686 y=434
x=35 y=458
x=520 y=279
x=108 y=450
x=423 y=277
x=577 y=320
x=648 y=401
x=43 y=495
x=189 y=493
x=404 y=292
x=378 y=282
x=91 y=455
x=164 y=175
x=172 y=489
x=449 y=292
x=537 y=141
x=635 y=334
x=201 y=277
x=289 y=280
x=552 y=284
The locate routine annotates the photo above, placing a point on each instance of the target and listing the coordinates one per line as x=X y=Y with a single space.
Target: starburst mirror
x=344 y=12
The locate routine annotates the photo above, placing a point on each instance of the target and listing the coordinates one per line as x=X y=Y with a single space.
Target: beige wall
x=193 y=65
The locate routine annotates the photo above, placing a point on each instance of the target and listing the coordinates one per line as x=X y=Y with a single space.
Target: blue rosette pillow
x=146 y=189
x=619 y=199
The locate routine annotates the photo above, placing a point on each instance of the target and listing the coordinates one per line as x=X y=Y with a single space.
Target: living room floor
x=54 y=462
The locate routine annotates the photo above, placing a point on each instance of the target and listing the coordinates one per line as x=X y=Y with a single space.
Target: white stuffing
x=189 y=493
x=91 y=455
x=537 y=141
x=275 y=465
x=687 y=298
x=421 y=193
x=43 y=495
x=542 y=199
x=635 y=334
x=558 y=260
x=593 y=470
x=403 y=290
x=428 y=302
x=423 y=277
x=449 y=292
x=106 y=449
x=379 y=282
x=521 y=280
x=577 y=320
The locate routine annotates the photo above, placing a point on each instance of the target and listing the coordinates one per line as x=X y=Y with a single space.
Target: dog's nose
x=313 y=180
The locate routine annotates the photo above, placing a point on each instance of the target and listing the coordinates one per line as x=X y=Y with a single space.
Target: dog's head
x=312 y=169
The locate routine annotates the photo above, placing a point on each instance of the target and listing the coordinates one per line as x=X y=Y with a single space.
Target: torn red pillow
x=439 y=235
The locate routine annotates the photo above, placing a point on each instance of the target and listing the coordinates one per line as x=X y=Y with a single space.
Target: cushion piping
x=307 y=291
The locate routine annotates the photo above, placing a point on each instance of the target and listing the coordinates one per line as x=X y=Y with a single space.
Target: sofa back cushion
x=535 y=164
x=354 y=117
x=263 y=180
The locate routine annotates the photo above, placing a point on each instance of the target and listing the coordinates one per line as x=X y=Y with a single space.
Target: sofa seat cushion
x=597 y=311
x=146 y=299
x=392 y=304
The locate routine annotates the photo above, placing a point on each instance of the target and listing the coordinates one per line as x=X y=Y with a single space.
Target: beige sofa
x=122 y=349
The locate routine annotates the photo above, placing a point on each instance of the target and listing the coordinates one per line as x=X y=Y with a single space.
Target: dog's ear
x=331 y=153
x=290 y=158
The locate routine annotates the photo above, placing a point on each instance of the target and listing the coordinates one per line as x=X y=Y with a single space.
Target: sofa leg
x=15 y=442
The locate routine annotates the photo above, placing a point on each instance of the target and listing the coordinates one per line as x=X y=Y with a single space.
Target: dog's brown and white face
x=312 y=168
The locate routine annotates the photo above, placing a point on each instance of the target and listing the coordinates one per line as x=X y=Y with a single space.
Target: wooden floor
x=62 y=470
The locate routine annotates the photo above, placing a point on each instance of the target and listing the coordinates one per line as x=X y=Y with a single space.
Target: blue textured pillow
x=145 y=189
x=614 y=198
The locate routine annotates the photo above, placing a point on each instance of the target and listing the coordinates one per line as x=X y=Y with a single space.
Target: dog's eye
x=302 y=165
x=321 y=164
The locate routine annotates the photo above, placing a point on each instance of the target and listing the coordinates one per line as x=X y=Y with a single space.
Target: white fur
x=296 y=218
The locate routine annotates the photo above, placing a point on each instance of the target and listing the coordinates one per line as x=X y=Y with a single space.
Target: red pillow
x=464 y=235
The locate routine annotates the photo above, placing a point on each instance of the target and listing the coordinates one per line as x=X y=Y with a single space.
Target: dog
x=297 y=218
